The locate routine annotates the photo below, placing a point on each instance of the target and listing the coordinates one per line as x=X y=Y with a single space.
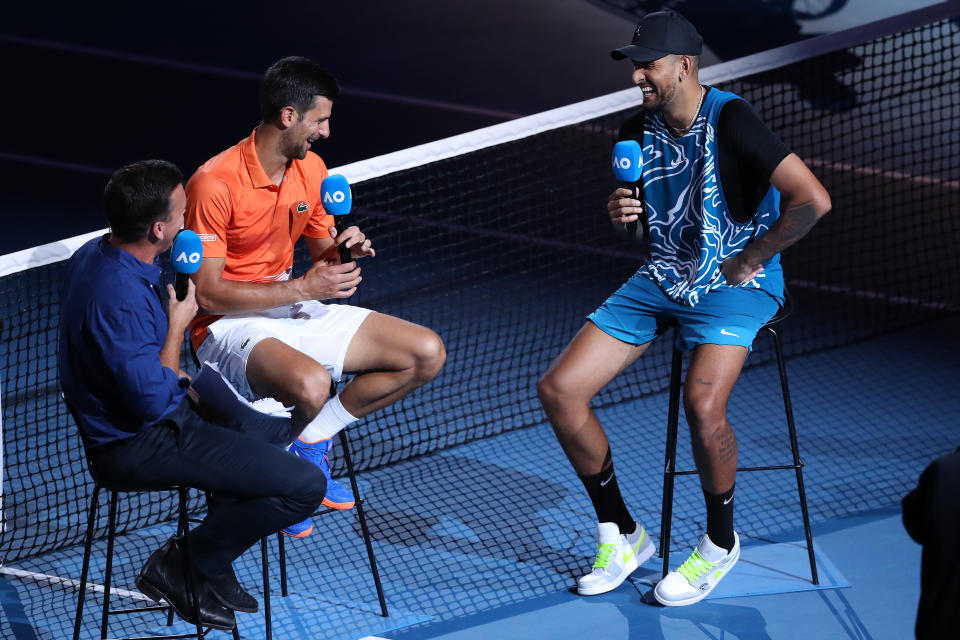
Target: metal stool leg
x=282 y=550
x=281 y=544
x=795 y=449
x=265 y=565
x=363 y=524
x=87 y=546
x=108 y=572
x=670 y=456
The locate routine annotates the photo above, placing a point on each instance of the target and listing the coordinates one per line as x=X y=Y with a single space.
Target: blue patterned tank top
x=691 y=228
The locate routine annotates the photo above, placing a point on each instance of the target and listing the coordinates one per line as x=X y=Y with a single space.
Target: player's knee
x=309 y=492
x=704 y=409
x=429 y=354
x=311 y=391
x=551 y=391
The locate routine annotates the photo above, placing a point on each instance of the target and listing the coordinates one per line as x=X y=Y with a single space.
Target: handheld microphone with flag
x=628 y=169
x=186 y=256
x=336 y=199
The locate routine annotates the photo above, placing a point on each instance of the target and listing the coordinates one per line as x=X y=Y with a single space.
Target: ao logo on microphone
x=187 y=252
x=192 y=258
x=627 y=161
x=335 y=196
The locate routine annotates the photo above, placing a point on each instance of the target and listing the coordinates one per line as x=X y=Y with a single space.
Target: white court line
x=68 y=583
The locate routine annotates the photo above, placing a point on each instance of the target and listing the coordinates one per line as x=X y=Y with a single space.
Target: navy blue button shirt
x=112 y=328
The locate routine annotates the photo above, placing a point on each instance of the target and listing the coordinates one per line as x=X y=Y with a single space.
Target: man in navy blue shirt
x=119 y=361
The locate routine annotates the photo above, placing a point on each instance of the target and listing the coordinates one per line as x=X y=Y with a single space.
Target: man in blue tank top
x=723 y=197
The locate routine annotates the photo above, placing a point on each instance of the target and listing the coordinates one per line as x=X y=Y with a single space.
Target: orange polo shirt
x=240 y=215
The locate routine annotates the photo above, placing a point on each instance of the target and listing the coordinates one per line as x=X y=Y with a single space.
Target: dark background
x=88 y=87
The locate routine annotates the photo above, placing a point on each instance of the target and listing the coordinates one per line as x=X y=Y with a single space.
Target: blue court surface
x=485 y=539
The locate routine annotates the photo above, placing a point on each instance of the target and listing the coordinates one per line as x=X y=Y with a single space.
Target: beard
x=295 y=149
x=662 y=97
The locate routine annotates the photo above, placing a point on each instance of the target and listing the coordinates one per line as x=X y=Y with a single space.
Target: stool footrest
x=159 y=607
x=691 y=472
x=170 y=637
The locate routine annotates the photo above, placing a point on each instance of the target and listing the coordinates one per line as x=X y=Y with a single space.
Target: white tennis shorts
x=321 y=331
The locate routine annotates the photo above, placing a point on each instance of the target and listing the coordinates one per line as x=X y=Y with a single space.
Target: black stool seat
x=670 y=456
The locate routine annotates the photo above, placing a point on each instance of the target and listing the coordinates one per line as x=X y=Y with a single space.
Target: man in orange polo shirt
x=268 y=331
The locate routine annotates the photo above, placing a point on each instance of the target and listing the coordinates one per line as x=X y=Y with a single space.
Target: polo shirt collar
x=257 y=175
x=149 y=272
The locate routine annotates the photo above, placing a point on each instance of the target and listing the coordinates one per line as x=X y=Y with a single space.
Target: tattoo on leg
x=704 y=382
x=727 y=449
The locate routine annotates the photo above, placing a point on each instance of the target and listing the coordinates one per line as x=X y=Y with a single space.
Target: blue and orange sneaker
x=299 y=530
x=317 y=452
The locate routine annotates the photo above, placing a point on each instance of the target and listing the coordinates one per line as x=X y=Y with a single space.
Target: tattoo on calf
x=727 y=450
x=704 y=382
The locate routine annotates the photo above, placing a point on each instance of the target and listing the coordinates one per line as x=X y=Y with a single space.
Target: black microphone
x=187 y=254
x=336 y=199
x=628 y=168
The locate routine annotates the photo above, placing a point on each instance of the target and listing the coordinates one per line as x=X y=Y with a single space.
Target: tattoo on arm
x=727 y=449
x=792 y=225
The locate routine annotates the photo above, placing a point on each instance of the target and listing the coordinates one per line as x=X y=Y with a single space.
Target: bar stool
x=281 y=542
x=670 y=457
x=183 y=536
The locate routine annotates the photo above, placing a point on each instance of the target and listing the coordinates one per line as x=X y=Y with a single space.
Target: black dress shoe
x=163 y=578
x=226 y=588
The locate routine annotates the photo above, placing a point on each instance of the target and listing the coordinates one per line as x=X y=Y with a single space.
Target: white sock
x=328 y=423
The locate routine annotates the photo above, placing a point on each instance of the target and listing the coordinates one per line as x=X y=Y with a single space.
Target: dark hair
x=139 y=195
x=294 y=82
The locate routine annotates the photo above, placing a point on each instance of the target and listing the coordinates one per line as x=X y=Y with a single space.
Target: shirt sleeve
x=209 y=209
x=758 y=149
x=320 y=221
x=127 y=339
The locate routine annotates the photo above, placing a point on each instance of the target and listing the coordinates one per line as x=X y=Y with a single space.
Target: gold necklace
x=680 y=132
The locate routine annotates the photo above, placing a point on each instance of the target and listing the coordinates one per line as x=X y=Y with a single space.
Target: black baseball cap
x=660 y=34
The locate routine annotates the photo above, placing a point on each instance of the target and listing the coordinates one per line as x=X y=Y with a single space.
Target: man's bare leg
x=589 y=362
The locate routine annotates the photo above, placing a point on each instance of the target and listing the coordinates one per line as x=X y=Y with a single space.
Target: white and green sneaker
x=617 y=557
x=697 y=577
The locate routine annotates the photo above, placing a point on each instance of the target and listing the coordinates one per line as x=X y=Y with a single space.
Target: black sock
x=720 y=518
x=607 y=501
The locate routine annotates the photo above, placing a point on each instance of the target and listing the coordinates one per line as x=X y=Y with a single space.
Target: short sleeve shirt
x=241 y=216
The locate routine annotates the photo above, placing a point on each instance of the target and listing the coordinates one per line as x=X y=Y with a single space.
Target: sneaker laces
x=604 y=552
x=695 y=567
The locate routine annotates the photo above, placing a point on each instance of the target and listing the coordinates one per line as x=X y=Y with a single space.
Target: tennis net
x=498 y=240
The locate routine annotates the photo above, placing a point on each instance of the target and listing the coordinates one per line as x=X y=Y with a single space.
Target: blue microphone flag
x=335 y=195
x=187 y=252
x=627 y=162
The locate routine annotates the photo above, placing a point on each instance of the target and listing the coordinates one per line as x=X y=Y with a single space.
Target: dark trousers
x=931 y=515
x=258 y=487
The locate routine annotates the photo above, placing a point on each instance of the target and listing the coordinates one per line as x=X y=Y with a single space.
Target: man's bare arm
x=322 y=281
x=803 y=201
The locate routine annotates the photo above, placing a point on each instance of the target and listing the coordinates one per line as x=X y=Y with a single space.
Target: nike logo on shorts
x=724 y=332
